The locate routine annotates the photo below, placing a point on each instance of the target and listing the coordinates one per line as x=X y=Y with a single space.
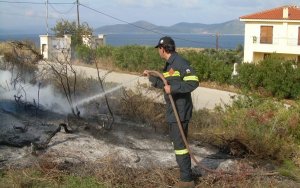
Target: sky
x=31 y=15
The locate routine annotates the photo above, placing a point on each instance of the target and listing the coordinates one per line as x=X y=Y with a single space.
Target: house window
x=266 y=34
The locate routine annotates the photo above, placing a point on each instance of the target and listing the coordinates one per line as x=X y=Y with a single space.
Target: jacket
x=182 y=79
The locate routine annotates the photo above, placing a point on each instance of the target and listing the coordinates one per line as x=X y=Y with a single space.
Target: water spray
x=100 y=95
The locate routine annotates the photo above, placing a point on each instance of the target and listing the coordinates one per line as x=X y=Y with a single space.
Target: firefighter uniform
x=182 y=79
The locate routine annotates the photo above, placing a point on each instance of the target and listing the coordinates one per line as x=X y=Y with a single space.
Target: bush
x=136 y=58
x=258 y=127
x=249 y=77
x=280 y=77
x=272 y=76
x=104 y=51
x=211 y=67
x=136 y=107
x=85 y=53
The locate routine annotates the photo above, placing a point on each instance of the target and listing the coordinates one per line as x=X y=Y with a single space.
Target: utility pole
x=47 y=15
x=78 y=23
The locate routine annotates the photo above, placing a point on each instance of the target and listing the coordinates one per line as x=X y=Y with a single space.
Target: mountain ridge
x=140 y=27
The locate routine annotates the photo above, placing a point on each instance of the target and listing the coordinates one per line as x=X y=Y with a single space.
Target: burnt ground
x=128 y=143
x=137 y=145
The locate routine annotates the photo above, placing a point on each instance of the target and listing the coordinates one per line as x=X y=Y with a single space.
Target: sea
x=182 y=40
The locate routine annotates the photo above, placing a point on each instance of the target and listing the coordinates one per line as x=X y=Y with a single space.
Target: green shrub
x=264 y=127
x=105 y=51
x=277 y=77
x=209 y=69
x=274 y=76
x=201 y=64
x=221 y=72
x=249 y=77
x=260 y=127
x=137 y=58
x=85 y=53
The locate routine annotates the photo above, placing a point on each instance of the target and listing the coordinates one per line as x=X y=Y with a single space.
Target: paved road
x=202 y=97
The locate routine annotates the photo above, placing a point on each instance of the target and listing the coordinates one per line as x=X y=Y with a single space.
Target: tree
x=66 y=77
x=64 y=27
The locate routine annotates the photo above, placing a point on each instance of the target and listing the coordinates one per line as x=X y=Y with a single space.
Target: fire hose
x=155 y=73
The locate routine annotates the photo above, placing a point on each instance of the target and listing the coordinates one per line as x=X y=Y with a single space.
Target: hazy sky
x=32 y=15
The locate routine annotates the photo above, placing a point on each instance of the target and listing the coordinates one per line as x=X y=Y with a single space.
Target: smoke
x=44 y=96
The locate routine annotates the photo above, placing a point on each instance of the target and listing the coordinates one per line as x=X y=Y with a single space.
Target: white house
x=55 y=48
x=59 y=48
x=272 y=31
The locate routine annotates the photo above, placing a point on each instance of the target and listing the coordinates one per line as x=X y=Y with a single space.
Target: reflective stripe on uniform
x=167 y=74
x=181 y=152
x=191 y=78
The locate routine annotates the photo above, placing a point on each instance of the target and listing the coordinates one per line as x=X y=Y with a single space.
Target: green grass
x=81 y=182
x=35 y=178
x=289 y=169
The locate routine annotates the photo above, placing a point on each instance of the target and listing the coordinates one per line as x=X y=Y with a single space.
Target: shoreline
x=181 y=40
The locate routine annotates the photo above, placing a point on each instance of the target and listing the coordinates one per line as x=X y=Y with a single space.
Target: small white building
x=59 y=48
x=93 y=41
x=55 y=48
x=272 y=31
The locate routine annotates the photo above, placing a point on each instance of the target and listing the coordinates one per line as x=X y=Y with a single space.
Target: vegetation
x=258 y=127
x=273 y=76
x=65 y=27
x=253 y=127
x=112 y=173
x=136 y=107
x=109 y=173
x=215 y=66
x=20 y=58
x=129 y=58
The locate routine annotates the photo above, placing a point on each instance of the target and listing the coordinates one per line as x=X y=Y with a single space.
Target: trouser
x=182 y=155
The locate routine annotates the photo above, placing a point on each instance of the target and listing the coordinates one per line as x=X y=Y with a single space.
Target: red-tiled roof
x=276 y=14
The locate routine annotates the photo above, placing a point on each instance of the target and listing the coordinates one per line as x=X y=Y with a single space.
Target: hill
x=230 y=27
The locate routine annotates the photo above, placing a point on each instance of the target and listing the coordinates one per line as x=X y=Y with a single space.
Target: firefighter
x=182 y=81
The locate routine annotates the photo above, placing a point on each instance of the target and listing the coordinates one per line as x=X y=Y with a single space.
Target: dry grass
x=111 y=171
x=189 y=49
x=135 y=106
x=5 y=47
x=107 y=172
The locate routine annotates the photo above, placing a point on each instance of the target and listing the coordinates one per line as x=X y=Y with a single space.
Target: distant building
x=272 y=31
x=55 y=48
x=59 y=48
x=93 y=42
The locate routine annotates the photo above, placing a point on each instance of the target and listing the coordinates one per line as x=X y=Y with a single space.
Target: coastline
x=182 y=40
